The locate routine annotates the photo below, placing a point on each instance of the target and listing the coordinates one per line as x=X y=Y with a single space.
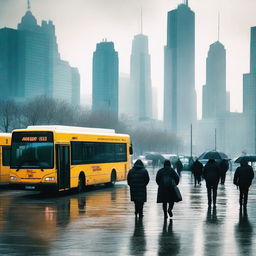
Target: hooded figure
x=211 y=174
x=197 y=170
x=223 y=169
x=243 y=179
x=138 y=179
x=165 y=193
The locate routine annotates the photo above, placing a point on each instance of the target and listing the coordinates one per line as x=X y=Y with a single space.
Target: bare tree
x=8 y=114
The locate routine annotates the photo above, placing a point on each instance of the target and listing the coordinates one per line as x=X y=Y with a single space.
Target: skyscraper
x=179 y=70
x=249 y=80
x=140 y=75
x=214 y=91
x=30 y=63
x=105 y=79
x=249 y=96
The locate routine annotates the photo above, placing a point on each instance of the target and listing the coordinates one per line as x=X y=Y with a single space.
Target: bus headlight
x=13 y=178
x=49 y=179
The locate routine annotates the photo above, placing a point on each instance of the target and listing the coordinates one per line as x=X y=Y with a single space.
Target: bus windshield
x=32 y=151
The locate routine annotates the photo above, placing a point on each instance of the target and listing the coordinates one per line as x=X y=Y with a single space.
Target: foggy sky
x=80 y=24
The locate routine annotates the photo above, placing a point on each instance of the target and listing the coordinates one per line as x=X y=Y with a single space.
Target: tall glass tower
x=141 y=78
x=214 y=92
x=30 y=63
x=105 y=80
x=179 y=70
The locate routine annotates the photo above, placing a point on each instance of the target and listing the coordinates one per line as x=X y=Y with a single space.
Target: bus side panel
x=1 y=166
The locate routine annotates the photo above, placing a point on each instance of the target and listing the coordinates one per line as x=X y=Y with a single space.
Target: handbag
x=177 y=194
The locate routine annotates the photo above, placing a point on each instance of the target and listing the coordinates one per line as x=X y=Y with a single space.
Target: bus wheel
x=81 y=182
x=112 y=178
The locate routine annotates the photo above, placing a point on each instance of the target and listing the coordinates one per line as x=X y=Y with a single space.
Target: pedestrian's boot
x=165 y=215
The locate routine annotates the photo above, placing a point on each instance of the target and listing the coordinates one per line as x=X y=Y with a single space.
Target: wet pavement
x=101 y=222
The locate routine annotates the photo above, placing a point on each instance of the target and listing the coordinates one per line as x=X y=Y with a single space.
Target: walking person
x=211 y=174
x=179 y=166
x=223 y=170
x=138 y=180
x=243 y=179
x=197 y=170
x=165 y=194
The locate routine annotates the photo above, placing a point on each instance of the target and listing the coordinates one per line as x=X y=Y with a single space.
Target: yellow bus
x=65 y=157
x=5 y=145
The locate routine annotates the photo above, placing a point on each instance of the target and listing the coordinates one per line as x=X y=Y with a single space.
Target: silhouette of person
x=211 y=174
x=165 y=192
x=179 y=166
x=243 y=179
x=197 y=170
x=138 y=179
x=223 y=170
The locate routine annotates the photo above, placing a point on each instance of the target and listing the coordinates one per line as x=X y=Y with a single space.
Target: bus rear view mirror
x=130 y=150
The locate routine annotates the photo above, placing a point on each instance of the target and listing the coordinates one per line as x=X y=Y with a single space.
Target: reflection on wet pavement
x=101 y=222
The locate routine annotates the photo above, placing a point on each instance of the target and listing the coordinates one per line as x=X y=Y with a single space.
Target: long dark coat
x=138 y=179
x=166 y=195
x=243 y=176
x=197 y=168
x=211 y=172
x=223 y=167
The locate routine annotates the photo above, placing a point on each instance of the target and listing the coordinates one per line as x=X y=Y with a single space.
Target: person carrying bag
x=168 y=193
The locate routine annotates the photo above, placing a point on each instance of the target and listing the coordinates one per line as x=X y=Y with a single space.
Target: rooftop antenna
x=28 y=5
x=218 y=26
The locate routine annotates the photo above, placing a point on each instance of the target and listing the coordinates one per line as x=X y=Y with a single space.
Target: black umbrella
x=154 y=156
x=251 y=158
x=213 y=155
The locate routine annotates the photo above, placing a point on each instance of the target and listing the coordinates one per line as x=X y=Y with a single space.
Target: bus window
x=6 y=156
x=36 y=155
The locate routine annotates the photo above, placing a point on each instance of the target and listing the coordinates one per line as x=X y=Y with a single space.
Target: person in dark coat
x=179 y=166
x=223 y=169
x=211 y=174
x=138 y=179
x=243 y=179
x=165 y=195
x=197 y=170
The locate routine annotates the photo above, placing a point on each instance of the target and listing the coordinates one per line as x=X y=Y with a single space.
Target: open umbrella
x=213 y=155
x=250 y=158
x=154 y=156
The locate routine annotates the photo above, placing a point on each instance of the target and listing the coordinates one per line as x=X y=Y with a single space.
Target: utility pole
x=215 y=138
x=191 y=140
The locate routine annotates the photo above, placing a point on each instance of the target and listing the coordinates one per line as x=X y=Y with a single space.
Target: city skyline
x=72 y=33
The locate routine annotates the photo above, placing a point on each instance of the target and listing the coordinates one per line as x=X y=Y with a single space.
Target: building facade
x=105 y=80
x=30 y=64
x=179 y=70
x=140 y=77
x=214 y=91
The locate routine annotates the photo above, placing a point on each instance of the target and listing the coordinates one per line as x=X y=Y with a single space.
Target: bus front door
x=63 y=160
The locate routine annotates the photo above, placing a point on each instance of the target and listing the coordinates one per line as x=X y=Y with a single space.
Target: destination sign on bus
x=26 y=138
x=32 y=137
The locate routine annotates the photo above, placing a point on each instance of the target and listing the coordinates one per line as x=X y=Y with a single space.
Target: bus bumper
x=35 y=186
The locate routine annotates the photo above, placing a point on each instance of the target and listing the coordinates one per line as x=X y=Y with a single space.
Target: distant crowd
x=168 y=178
